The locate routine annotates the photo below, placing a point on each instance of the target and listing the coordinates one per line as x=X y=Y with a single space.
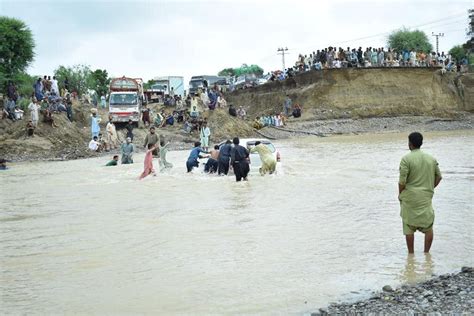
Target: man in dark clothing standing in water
x=224 y=157
x=152 y=139
x=129 y=128
x=238 y=158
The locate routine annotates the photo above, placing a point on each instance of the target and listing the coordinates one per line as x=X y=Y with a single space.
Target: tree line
x=17 y=52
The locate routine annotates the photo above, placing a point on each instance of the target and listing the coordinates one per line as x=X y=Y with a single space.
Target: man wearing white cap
x=127 y=151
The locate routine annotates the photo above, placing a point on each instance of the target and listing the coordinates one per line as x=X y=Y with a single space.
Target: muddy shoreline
x=445 y=294
x=295 y=128
x=375 y=125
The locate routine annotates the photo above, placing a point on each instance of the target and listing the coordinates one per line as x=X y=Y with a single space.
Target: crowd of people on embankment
x=332 y=57
x=47 y=101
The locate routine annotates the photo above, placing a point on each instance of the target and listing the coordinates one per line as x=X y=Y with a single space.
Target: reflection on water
x=417 y=270
x=80 y=238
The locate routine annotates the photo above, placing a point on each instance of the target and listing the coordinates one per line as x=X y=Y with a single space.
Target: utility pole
x=281 y=51
x=437 y=40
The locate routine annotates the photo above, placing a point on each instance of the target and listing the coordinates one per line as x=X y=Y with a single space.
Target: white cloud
x=146 y=39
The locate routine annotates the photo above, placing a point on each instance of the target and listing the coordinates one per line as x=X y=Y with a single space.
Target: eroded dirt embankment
x=361 y=93
x=69 y=140
x=336 y=101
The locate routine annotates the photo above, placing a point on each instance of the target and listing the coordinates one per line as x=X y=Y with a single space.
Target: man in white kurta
x=111 y=135
x=34 y=108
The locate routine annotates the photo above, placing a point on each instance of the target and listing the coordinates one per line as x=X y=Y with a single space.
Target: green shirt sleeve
x=403 y=171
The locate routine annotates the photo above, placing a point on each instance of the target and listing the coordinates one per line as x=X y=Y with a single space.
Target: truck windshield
x=123 y=99
x=158 y=87
x=195 y=83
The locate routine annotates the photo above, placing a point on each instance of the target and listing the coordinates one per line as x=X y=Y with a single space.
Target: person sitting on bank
x=113 y=162
x=257 y=124
x=296 y=111
x=158 y=120
x=94 y=144
x=241 y=113
x=170 y=119
x=18 y=113
x=232 y=111
x=30 y=128
x=48 y=118
x=187 y=126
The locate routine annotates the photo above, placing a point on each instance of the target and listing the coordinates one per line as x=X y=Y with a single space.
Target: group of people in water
x=229 y=155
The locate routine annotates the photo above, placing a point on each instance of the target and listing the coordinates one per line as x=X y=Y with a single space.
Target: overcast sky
x=156 y=38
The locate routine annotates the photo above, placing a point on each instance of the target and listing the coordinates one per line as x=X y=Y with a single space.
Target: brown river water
x=80 y=238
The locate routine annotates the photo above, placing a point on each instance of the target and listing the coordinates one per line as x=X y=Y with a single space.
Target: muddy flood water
x=80 y=238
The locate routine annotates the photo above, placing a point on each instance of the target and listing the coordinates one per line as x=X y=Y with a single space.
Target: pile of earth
x=66 y=141
x=69 y=140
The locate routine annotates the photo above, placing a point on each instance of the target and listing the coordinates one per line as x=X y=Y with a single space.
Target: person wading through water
x=239 y=160
x=148 y=163
x=152 y=139
x=224 y=158
x=419 y=175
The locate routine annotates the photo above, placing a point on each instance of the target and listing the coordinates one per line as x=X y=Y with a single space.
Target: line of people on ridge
x=332 y=57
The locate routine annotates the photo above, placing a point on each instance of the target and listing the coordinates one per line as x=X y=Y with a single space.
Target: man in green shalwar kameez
x=266 y=156
x=419 y=175
x=164 y=165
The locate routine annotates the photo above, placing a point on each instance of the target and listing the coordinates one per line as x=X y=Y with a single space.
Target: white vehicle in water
x=125 y=100
x=254 y=158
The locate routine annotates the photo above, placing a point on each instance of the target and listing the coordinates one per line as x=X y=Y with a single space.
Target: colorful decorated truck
x=125 y=99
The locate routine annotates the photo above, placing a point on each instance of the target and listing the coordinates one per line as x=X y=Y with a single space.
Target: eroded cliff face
x=465 y=89
x=356 y=92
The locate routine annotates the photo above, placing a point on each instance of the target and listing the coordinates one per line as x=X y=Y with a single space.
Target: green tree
x=405 y=39
x=246 y=70
x=24 y=84
x=458 y=52
x=469 y=45
x=16 y=48
x=242 y=70
x=78 y=77
x=99 y=81
x=227 y=72
x=147 y=85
